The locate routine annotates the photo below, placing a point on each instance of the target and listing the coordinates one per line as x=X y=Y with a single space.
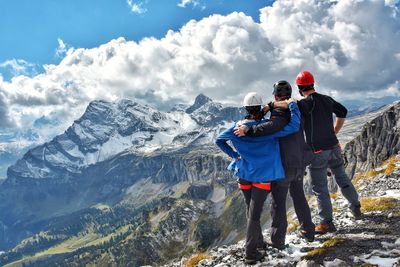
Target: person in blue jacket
x=257 y=162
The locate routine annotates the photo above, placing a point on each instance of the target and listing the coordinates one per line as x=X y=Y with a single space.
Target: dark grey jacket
x=295 y=153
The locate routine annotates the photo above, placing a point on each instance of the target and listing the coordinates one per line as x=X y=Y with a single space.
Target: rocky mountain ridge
x=378 y=140
x=106 y=129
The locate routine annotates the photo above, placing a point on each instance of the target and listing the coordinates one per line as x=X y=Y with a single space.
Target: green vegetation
x=92 y=227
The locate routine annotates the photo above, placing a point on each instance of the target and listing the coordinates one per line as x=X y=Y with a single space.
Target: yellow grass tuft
x=362 y=178
x=314 y=252
x=292 y=224
x=391 y=165
x=325 y=246
x=332 y=242
x=369 y=204
x=371 y=173
x=195 y=259
x=334 y=195
x=387 y=167
x=292 y=227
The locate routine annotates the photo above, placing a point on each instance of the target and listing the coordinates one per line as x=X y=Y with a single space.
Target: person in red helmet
x=317 y=111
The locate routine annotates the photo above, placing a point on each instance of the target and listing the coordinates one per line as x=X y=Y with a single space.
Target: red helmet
x=305 y=78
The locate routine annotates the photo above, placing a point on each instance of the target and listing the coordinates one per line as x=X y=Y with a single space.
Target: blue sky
x=29 y=30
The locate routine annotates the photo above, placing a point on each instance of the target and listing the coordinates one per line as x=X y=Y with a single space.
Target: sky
x=57 y=56
x=31 y=32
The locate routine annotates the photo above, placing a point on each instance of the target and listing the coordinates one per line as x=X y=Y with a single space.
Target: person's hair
x=306 y=87
x=254 y=113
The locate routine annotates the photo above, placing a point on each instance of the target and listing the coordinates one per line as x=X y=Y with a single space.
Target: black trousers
x=294 y=183
x=254 y=198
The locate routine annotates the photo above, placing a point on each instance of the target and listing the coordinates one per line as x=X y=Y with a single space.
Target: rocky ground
x=371 y=241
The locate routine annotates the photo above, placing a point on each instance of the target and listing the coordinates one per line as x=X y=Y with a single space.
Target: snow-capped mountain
x=106 y=129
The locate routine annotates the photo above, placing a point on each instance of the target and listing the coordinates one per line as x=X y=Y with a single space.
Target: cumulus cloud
x=350 y=46
x=5 y=120
x=136 y=6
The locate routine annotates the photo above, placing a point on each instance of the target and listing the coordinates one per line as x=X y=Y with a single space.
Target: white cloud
x=62 y=48
x=194 y=3
x=350 y=46
x=19 y=67
x=5 y=120
x=392 y=2
x=136 y=7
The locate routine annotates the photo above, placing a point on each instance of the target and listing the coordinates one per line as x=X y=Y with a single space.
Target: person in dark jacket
x=294 y=153
x=249 y=163
x=317 y=111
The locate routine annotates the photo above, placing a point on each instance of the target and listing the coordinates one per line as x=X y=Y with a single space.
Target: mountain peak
x=200 y=101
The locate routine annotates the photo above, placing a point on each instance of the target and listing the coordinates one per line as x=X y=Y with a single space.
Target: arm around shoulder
x=294 y=124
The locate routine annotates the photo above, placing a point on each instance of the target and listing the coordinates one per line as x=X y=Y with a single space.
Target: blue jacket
x=260 y=159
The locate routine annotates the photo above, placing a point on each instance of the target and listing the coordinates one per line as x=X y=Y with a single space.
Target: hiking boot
x=324 y=228
x=254 y=259
x=356 y=211
x=262 y=248
x=308 y=236
x=277 y=246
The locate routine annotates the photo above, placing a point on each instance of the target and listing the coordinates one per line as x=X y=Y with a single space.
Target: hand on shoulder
x=281 y=104
x=291 y=100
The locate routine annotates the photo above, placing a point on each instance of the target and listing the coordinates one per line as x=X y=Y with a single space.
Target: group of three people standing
x=271 y=156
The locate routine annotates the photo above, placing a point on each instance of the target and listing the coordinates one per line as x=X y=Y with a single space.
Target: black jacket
x=294 y=151
x=317 y=111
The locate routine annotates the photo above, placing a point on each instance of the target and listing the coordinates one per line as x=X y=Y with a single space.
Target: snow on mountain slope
x=107 y=129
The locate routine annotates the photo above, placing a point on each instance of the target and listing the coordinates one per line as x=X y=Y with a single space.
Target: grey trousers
x=293 y=183
x=318 y=169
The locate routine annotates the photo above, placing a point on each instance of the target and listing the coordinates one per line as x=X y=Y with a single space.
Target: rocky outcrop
x=379 y=139
x=371 y=241
x=210 y=114
x=200 y=101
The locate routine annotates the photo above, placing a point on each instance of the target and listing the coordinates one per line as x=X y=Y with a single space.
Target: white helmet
x=252 y=99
